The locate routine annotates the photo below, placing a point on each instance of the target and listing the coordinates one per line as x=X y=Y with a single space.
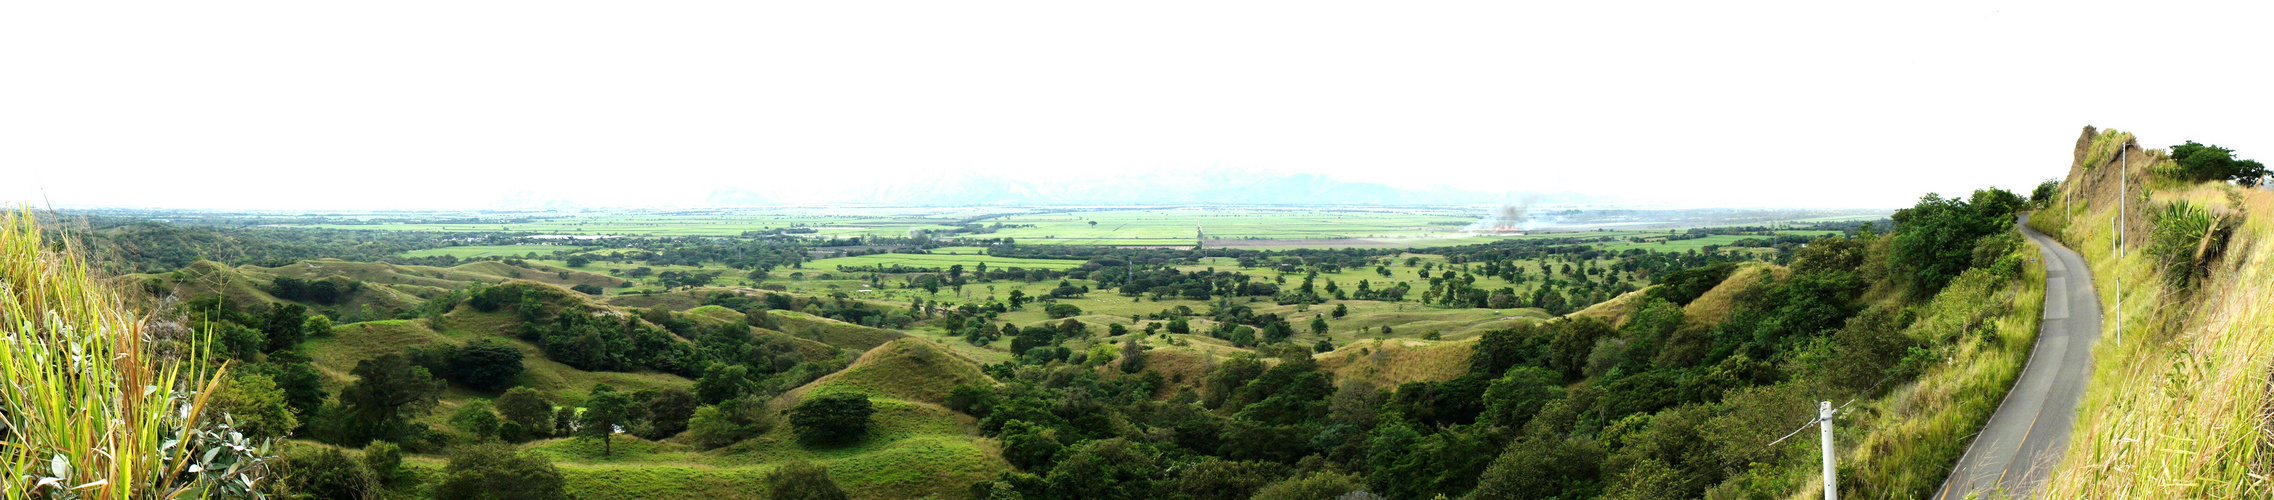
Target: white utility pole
x=1831 y=470
x=2123 y=186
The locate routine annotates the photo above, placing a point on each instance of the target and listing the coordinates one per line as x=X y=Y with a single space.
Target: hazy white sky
x=456 y=104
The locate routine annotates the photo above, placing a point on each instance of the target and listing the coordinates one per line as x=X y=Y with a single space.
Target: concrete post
x=1831 y=469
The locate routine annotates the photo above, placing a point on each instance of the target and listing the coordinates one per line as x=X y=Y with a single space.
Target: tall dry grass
x=89 y=412
x=2179 y=408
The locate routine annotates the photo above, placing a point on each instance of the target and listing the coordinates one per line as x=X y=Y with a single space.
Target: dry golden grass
x=1614 y=311
x=1387 y=363
x=1712 y=305
x=2179 y=408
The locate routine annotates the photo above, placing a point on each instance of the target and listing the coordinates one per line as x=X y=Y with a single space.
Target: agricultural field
x=1260 y=227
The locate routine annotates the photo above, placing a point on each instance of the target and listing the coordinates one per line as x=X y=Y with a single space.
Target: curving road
x=2023 y=441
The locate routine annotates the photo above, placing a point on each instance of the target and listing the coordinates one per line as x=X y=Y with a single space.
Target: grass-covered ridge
x=2179 y=407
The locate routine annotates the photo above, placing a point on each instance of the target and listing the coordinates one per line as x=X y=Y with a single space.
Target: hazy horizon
x=423 y=105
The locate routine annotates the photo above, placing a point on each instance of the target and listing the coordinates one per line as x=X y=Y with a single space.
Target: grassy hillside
x=836 y=333
x=1387 y=363
x=2179 y=407
x=908 y=369
x=386 y=290
x=354 y=342
x=915 y=448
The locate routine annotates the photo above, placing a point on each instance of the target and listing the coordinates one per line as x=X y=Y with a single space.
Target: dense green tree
x=1216 y=479
x=325 y=472
x=1029 y=447
x=1675 y=438
x=1934 y=239
x=486 y=364
x=496 y=472
x=1512 y=399
x=831 y=419
x=384 y=459
x=1061 y=310
x=285 y=325
x=802 y=480
x=525 y=407
x=666 y=413
x=257 y=406
x=1073 y=329
x=1497 y=350
x=477 y=419
x=1105 y=469
x=1321 y=485
x=238 y=341
x=1574 y=340
x=976 y=400
x=721 y=382
x=1132 y=356
x=387 y=394
x=728 y=422
x=303 y=387
x=604 y=411
x=1683 y=286
x=1445 y=463
x=2203 y=162
x=1544 y=466
x=1867 y=350
x=317 y=326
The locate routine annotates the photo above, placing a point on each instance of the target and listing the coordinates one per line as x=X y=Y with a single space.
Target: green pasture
x=969 y=259
x=1184 y=226
x=471 y=252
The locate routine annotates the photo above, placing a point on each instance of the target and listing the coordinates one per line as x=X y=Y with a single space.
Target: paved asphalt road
x=2023 y=441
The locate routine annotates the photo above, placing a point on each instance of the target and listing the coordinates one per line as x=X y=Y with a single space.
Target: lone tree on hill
x=603 y=411
x=832 y=418
x=388 y=392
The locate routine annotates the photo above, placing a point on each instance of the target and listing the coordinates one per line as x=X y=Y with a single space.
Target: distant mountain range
x=1220 y=186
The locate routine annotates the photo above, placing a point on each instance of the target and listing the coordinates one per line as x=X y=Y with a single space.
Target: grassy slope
x=2179 y=408
x=915 y=447
x=1389 y=363
x=388 y=288
x=833 y=332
